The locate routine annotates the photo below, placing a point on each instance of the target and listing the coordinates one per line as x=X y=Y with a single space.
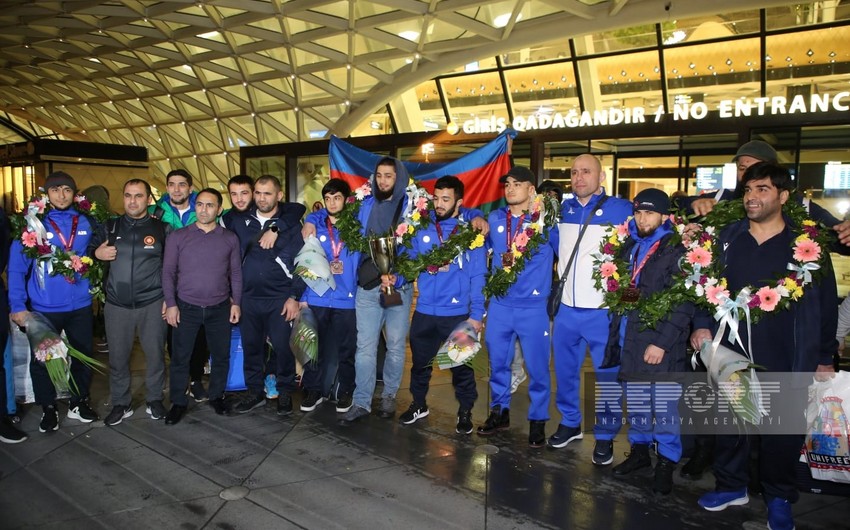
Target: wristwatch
x=274 y=229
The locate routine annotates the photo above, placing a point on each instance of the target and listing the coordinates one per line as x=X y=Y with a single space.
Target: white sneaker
x=517 y=378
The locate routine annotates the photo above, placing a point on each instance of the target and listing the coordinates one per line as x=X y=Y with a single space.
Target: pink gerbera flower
x=806 y=250
x=699 y=256
x=521 y=240
x=76 y=263
x=607 y=269
x=29 y=239
x=769 y=298
x=401 y=230
x=712 y=293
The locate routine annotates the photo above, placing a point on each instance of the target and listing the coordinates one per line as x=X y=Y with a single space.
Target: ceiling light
x=810 y=52
x=375 y=125
x=409 y=35
x=209 y=35
x=501 y=21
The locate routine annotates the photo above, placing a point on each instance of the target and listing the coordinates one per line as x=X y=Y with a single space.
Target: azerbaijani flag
x=479 y=170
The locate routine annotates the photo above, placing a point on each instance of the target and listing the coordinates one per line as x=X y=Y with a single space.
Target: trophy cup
x=382 y=250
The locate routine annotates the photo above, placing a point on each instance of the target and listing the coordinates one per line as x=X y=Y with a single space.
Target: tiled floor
x=308 y=472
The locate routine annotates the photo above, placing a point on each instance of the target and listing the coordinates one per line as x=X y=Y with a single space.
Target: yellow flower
x=707 y=245
x=613 y=239
x=722 y=282
x=616 y=275
x=791 y=284
x=506 y=269
x=809 y=222
x=87 y=260
x=802 y=237
x=517 y=253
x=410 y=229
x=416 y=216
x=477 y=242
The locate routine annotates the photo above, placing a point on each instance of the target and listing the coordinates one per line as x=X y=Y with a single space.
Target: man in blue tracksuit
x=66 y=305
x=650 y=358
x=520 y=313
x=449 y=295
x=581 y=323
x=270 y=290
x=334 y=309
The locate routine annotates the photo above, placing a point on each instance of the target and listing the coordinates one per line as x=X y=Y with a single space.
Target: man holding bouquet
x=448 y=296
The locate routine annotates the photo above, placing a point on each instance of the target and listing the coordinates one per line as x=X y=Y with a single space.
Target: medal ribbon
x=440 y=231
x=509 y=235
x=336 y=248
x=67 y=244
x=637 y=268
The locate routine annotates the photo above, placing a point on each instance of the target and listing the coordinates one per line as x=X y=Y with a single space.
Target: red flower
x=529 y=231
x=613 y=285
x=608 y=248
x=535 y=217
x=432 y=269
x=754 y=301
x=84 y=205
x=43 y=249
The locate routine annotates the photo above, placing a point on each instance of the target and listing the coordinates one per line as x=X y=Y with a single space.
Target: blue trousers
x=529 y=325
x=576 y=330
x=653 y=414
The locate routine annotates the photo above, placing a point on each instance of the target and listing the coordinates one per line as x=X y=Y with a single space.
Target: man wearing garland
x=581 y=323
x=756 y=251
x=650 y=356
x=448 y=295
x=67 y=305
x=519 y=314
x=334 y=310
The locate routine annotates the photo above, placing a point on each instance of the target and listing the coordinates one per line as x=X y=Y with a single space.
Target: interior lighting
x=500 y=21
x=412 y=36
x=676 y=36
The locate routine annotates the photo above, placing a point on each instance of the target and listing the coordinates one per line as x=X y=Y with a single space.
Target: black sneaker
x=413 y=413
x=218 y=406
x=663 y=481
x=354 y=414
x=537 y=433
x=638 y=458
x=250 y=402
x=603 y=452
x=175 y=414
x=464 y=421
x=9 y=434
x=387 y=407
x=49 y=419
x=343 y=404
x=198 y=392
x=565 y=435
x=82 y=412
x=699 y=462
x=498 y=420
x=119 y=412
x=156 y=409
x=284 y=404
x=311 y=401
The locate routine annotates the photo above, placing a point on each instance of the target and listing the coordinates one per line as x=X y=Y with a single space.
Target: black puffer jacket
x=669 y=334
x=134 y=278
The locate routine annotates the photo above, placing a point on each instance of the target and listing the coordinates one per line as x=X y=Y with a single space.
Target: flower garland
x=544 y=215
x=30 y=230
x=454 y=247
x=700 y=280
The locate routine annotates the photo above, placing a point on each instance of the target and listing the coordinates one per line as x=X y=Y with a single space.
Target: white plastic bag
x=827 y=449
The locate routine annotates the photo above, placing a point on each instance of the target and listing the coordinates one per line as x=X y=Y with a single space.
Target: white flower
x=782 y=290
x=700 y=290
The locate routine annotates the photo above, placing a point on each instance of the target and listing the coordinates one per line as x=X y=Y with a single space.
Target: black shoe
x=663 y=482
x=156 y=409
x=198 y=392
x=218 y=406
x=386 y=409
x=119 y=412
x=175 y=414
x=9 y=434
x=284 y=404
x=413 y=413
x=314 y=399
x=343 y=404
x=565 y=435
x=638 y=458
x=82 y=412
x=699 y=462
x=250 y=402
x=354 y=414
x=603 y=452
x=537 y=433
x=49 y=419
x=464 y=421
x=498 y=420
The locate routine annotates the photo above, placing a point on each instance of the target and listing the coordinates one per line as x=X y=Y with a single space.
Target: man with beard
x=271 y=292
x=66 y=305
x=519 y=314
x=756 y=251
x=649 y=357
x=202 y=284
x=133 y=245
x=334 y=310
x=449 y=295
x=177 y=209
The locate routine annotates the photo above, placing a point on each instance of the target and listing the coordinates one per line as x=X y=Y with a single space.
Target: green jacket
x=168 y=214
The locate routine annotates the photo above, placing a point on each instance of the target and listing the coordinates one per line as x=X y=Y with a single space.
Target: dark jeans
x=78 y=327
x=778 y=457
x=427 y=334
x=261 y=318
x=337 y=341
x=199 y=355
x=216 y=322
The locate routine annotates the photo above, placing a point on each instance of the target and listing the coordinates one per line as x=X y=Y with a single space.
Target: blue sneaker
x=716 y=501
x=271 y=387
x=779 y=514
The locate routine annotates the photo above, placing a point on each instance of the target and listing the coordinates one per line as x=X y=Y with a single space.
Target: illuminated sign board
x=727 y=108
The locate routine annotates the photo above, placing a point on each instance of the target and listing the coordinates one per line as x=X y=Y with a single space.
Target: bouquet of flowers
x=734 y=377
x=54 y=352
x=460 y=348
x=304 y=339
x=312 y=265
